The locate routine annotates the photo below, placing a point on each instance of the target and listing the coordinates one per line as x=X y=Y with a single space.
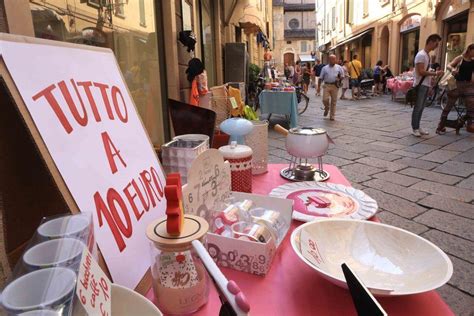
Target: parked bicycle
x=439 y=96
x=302 y=98
x=254 y=90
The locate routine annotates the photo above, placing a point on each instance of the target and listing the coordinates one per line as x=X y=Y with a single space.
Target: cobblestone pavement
x=424 y=185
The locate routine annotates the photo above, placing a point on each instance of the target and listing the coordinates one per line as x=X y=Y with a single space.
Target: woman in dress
x=345 y=80
x=197 y=76
x=462 y=68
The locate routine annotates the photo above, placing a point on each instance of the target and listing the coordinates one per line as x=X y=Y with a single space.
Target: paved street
x=424 y=185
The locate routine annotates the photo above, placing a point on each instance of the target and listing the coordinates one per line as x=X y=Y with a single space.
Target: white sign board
x=82 y=109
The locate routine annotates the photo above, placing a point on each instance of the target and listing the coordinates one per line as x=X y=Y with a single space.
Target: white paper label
x=233 y=103
x=93 y=287
x=177 y=270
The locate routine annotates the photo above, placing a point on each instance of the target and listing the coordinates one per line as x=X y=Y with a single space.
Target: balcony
x=299 y=6
x=300 y=33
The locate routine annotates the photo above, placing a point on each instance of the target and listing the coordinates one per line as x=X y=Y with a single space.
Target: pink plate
x=314 y=200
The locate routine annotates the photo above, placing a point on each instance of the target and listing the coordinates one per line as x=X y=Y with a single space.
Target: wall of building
x=385 y=18
x=292 y=45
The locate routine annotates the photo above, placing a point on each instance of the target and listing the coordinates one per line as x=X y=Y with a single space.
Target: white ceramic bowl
x=390 y=261
x=127 y=302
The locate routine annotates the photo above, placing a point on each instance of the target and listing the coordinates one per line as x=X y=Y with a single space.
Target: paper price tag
x=233 y=102
x=93 y=287
x=310 y=249
x=178 y=271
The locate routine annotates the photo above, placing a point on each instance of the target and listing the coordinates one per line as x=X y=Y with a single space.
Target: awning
x=350 y=39
x=306 y=57
x=251 y=19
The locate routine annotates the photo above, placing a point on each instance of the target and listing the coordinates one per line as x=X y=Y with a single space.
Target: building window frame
x=304 y=45
x=294 y=24
x=142 y=12
x=365 y=8
x=119 y=8
x=97 y=3
x=350 y=12
x=187 y=5
x=333 y=12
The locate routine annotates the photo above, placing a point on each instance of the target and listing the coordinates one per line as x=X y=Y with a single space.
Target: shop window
x=136 y=52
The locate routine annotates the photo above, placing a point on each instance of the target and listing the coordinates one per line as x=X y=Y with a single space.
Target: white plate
x=346 y=202
x=390 y=261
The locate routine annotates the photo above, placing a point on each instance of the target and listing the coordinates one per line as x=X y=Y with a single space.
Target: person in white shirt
x=331 y=75
x=423 y=80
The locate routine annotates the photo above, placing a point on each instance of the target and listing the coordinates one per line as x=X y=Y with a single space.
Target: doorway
x=384 y=43
x=289 y=58
x=455 y=36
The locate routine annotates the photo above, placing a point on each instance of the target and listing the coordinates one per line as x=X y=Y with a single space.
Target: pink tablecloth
x=293 y=288
x=399 y=86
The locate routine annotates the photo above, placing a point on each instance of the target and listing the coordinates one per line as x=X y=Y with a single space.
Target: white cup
x=50 y=289
x=62 y=252
x=66 y=226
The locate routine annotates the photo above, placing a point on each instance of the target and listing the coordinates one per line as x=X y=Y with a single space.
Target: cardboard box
x=208 y=185
x=249 y=256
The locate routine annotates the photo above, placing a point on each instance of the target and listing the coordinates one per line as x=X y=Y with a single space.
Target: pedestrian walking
x=331 y=75
x=355 y=71
x=345 y=79
x=423 y=82
x=306 y=76
x=317 y=72
x=462 y=68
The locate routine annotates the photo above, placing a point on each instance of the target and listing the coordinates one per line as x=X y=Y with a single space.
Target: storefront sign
x=83 y=113
x=412 y=22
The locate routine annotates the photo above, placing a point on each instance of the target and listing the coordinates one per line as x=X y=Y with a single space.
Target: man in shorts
x=355 y=71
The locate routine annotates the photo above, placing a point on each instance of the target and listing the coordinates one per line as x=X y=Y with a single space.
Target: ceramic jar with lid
x=240 y=159
x=180 y=280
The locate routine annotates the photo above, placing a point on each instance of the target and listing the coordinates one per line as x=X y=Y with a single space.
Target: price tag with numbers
x=93 y=287
x=208 y=183
x=310 y=249
x=241 y=255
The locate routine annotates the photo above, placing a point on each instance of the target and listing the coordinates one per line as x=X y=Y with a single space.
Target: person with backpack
x=355 y=71
x=422 y=82
x=317 y=72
